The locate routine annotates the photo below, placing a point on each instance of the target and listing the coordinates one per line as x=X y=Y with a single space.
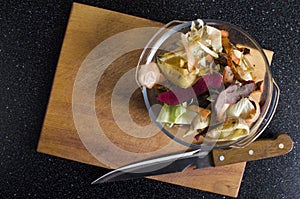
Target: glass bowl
x=165 y=40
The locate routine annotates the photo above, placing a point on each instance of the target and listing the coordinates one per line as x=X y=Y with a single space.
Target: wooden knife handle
x=259 y=149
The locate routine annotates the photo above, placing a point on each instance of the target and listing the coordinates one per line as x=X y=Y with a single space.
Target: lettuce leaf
x=178 y=114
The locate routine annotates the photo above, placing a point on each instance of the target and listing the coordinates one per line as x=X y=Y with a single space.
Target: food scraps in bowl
x=206 y=84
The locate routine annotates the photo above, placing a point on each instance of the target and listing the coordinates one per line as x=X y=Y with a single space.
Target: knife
x=259 y=149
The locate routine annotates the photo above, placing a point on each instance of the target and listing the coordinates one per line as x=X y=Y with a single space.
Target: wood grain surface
x=87 y=115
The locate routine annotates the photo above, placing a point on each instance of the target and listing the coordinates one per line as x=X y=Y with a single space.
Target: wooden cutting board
x=96 y=114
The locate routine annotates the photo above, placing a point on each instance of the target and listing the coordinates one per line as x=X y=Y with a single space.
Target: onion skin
x=149 y=75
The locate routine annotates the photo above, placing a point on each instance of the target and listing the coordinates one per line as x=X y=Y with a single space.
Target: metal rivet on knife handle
x=251 y=152
x=259 y=149
x=221 y=158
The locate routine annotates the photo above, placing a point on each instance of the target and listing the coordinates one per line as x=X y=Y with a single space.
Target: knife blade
x=259 y=149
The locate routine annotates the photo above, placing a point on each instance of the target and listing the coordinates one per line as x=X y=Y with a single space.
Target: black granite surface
x=31 y=35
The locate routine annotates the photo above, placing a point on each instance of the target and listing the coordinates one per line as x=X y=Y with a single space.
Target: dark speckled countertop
x=31 y=35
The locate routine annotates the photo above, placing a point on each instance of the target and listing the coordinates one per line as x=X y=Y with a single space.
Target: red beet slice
x=178 y=95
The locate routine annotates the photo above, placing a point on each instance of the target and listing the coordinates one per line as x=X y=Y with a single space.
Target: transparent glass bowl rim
x=272 y=94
